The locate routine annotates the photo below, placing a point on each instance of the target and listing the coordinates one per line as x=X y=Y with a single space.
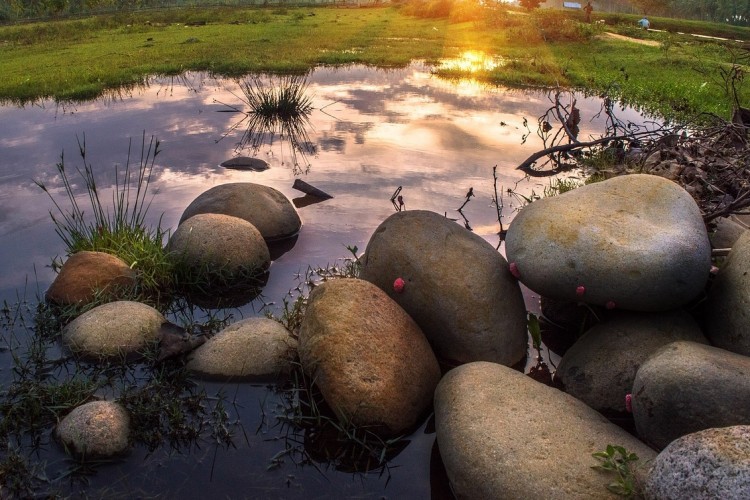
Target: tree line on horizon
x=735 y=12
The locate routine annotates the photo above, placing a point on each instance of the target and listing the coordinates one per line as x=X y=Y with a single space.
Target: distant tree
x=530 y=4
x=652 y=6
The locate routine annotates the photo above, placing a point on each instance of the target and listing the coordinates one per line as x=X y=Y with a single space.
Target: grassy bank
x=78 y=59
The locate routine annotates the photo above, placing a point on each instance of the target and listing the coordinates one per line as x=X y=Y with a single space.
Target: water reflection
x=277 y=108
x=376 y=132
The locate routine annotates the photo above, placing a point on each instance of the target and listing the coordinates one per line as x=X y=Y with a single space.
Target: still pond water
x=373 y=131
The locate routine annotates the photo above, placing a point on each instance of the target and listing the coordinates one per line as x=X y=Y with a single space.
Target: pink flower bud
x=610 y=305
x=398 y=285
x=629 y=403
x=514 y=270
x=580 y=290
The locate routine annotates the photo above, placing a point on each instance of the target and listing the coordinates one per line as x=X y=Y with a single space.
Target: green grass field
x=81 y=58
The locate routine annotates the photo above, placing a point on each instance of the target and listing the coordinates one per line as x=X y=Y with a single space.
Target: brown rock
x=85 y=274
x=370 y=360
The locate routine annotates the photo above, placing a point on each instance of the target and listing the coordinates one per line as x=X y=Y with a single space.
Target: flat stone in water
x=246 y=163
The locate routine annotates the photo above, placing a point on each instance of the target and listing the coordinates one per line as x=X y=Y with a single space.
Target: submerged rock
x=86 y=274
x=246 y=163
x=370 y=360
x=456 y=286
x=98 y=429
x=264 y=207
x=118 y=329
x=599 y=369
x=634 y=242
x=686 y=387
x=714 y=463
x=726 y=319
x=503 y=435
x=249 y=349
x=218 y=251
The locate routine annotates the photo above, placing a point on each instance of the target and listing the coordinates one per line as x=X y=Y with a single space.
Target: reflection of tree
x=279 y=108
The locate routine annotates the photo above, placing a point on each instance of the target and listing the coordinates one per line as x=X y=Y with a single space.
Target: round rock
x=220 y=249
x=95 y=429
x=726 y=319
x=714 y=463
x=253 y=348
x=634 y=242
x=686 y=387
x=86 y=274
x=264 y=207
x=503 y=435
x=456 y=286
x=117 y=329
x=599 y=369
x=371 y=362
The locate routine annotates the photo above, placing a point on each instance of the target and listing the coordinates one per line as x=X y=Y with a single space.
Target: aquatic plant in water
x=276 y=108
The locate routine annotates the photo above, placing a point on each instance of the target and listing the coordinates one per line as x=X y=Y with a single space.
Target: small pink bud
x=610 y=305
x=580 y=290
x=629 y=403
x=398 y=285
x=714 y=270
x=514 y=270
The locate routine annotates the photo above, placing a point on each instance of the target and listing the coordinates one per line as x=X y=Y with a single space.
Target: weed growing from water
x=121 y=230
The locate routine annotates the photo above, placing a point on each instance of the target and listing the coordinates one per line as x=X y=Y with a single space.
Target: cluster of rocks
x=432 y=294
x=222 y=243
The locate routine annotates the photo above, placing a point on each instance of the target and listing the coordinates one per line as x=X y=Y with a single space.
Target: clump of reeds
x=121 y=229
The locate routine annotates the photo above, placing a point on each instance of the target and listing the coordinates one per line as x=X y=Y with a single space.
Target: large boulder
x=371 y=362
x=687 y=387
x=503 y=435
x=264 y=207
x=253 y=348
x=457 y=287
x=118 y=329
x=98 y=429
x=85 y=275
x=633 y=242
x=216 y=251
x=714 y=463
x=727 y=322
x=599 y=369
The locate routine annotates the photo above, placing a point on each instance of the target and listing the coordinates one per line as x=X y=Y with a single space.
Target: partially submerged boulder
x=503 y=435
x=634 y=242
x=85 y=275
x=370 y=360
x=118 y=329
x=253 y=348
x=264 y=207
x=217 y=251
x=98 y=429
x=686 y=387
x=456 y=286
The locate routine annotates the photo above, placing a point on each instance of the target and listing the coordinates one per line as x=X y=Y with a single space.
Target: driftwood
x=306 y=188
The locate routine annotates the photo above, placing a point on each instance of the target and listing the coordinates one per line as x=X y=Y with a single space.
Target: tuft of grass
x=617 y=460
x=121 y=230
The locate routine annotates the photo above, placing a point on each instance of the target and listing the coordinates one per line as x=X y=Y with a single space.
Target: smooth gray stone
x=686 y=387
x=635 y=242
x=457 y=287
x=503 y=435
x=726 y=312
